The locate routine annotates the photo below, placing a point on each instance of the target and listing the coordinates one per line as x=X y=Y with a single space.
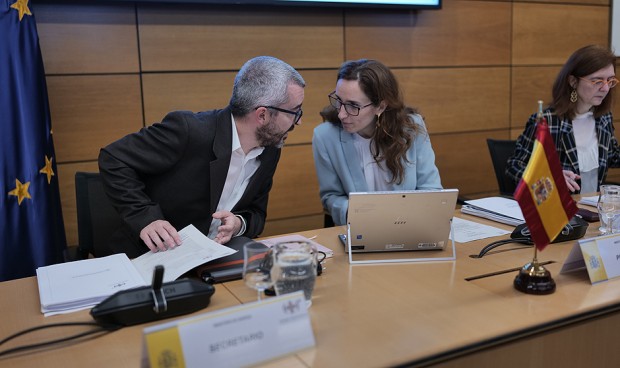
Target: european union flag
x=31 y=226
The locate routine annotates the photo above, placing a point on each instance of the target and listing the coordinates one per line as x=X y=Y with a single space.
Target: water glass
x=257 y=267
x=294 y=268
x=609 y=209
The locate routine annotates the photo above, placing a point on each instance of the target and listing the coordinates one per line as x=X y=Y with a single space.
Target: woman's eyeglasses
x=350 y=109
x=599 y=83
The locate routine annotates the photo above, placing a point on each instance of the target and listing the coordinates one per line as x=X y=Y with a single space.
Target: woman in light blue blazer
x=375 y=144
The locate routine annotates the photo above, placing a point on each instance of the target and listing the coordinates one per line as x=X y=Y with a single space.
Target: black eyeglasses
x=350 y=109
x=297 y=114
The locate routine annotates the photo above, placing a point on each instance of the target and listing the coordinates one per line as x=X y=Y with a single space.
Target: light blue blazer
x=340 y=172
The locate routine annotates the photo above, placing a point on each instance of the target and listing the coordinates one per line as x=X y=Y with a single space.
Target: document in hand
x=71 y=286
x=500 y=209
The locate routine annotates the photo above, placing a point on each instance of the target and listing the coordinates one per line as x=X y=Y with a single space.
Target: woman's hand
x=571 y=180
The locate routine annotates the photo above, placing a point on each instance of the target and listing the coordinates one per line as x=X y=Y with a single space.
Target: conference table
x=462 y=313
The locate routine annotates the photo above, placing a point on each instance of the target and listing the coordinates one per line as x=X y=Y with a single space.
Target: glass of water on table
x=257 y=267
x=294 y=268
x=609 y=209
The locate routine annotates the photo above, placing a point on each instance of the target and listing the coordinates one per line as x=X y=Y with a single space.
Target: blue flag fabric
x=31 y=225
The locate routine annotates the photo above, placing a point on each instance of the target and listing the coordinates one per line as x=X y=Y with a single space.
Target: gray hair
x=262 y=81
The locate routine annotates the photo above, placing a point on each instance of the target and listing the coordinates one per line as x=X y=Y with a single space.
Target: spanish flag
x=542 y=193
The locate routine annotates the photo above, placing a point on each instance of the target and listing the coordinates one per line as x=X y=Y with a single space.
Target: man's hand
x=230 y=226
x=160 y=236
x=571 y=180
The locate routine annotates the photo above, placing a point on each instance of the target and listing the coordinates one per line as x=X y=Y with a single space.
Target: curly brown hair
x=394 y=129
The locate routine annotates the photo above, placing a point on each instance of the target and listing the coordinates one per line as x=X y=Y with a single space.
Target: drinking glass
x=257 y=267
x=609 y=209
x=294 y=268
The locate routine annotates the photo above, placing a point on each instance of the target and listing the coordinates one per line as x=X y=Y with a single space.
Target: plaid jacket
x=562 y=133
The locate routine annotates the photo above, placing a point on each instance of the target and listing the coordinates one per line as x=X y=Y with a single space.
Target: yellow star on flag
x=22 y=7
x=20 y=191
x=47 y=169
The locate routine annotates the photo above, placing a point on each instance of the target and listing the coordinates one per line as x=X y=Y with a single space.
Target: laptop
x=400 y=220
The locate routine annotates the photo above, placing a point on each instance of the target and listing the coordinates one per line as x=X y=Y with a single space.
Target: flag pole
x=534 y=278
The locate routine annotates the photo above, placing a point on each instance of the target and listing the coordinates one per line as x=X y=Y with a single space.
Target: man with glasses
x=212 y=169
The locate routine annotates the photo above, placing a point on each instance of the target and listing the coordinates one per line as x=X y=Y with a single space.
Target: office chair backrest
x=97 y=219
x=500 y=151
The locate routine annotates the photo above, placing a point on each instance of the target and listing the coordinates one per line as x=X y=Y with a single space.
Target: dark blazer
x=176 y=170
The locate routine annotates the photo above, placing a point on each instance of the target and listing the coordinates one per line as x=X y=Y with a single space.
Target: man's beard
x=268 y=135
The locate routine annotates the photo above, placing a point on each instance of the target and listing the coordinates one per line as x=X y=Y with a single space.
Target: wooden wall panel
x=452 y=36
x=613 y=175
x=464 y=161
x=177 y=37
x=582 y=2
x=295 y=190
x=66 y=181
x=514 y=133
x=530 y=84
x=291 y=225
x=88 y=38
x=319 y=83
x=458 y=99
x=548 y=34
x=88 y=112
x=165 y=92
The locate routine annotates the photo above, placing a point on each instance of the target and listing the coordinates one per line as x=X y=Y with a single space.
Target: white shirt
x=377 y=177
x=587 y=151
x=240 y=171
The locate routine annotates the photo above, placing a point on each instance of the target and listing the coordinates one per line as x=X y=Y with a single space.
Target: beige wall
x=475 y=69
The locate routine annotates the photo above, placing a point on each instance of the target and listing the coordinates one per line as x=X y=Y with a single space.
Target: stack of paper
x=590 y=201
x=67 y=287
x=500 y=209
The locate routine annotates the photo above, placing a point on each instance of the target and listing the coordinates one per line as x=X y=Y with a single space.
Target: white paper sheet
x=195 y=250
x=466 y=231
x=589 y=201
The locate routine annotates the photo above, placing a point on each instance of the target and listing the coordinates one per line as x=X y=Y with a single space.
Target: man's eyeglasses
x=350 y=109
x=599 y=83
x=297 y=114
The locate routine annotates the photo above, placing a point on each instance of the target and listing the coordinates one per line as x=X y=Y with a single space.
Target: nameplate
x=600 y=256
x=233 y=337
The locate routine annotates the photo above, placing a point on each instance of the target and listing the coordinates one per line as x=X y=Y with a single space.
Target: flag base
x=534 y=278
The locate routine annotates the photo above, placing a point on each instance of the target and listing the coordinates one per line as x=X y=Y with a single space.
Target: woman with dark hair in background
x=580 y=121
x=376 y=144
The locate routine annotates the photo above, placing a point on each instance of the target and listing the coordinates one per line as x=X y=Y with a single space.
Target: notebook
x=400 y=220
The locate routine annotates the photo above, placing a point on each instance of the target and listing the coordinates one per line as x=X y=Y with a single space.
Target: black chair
x=328 y=221
x=97 y=219
x=500 y=151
